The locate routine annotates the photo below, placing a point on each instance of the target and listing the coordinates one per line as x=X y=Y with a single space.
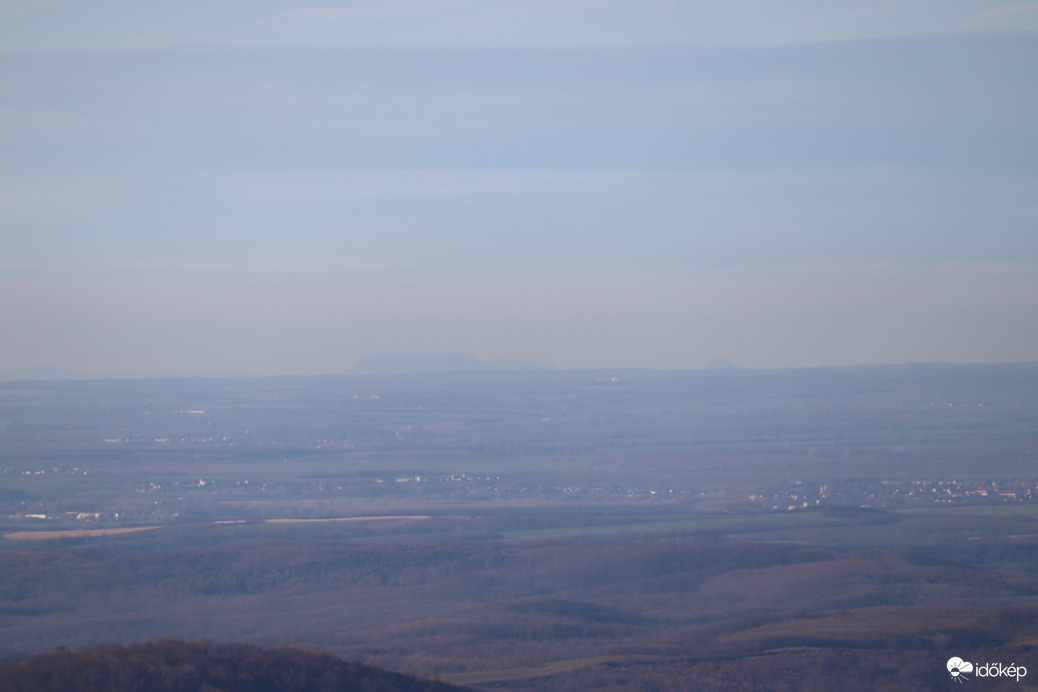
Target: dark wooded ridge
x=173 y=665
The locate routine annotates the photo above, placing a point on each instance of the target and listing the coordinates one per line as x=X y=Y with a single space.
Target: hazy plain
x=537 y=530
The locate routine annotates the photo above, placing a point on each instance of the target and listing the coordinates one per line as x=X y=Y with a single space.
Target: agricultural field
x=635 y=530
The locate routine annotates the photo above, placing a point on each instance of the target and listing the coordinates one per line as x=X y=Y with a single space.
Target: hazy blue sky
x=281 y=186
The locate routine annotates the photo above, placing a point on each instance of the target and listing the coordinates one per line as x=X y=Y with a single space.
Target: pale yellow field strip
x=73 y=533
x=89 y=533
x=366 y=518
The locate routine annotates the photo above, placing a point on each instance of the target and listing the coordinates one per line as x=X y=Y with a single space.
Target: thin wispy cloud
x=62 y=25
x=12 y=7
x=983 y=19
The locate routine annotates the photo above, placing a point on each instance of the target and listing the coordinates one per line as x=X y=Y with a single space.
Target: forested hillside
x=191 y=666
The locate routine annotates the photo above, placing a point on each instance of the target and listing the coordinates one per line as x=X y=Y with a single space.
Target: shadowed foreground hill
x=182 y=666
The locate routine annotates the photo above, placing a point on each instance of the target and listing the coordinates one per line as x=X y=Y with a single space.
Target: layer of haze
x=287 y=187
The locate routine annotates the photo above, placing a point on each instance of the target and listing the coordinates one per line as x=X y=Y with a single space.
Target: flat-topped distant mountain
x=411 y=363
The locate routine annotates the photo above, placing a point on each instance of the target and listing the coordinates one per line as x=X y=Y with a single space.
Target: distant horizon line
x=62 y=374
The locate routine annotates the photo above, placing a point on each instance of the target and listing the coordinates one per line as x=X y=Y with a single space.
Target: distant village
x=889 y=494
x=183 y=499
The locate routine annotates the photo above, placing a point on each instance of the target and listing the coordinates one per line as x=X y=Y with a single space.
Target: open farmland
x=537 y=531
